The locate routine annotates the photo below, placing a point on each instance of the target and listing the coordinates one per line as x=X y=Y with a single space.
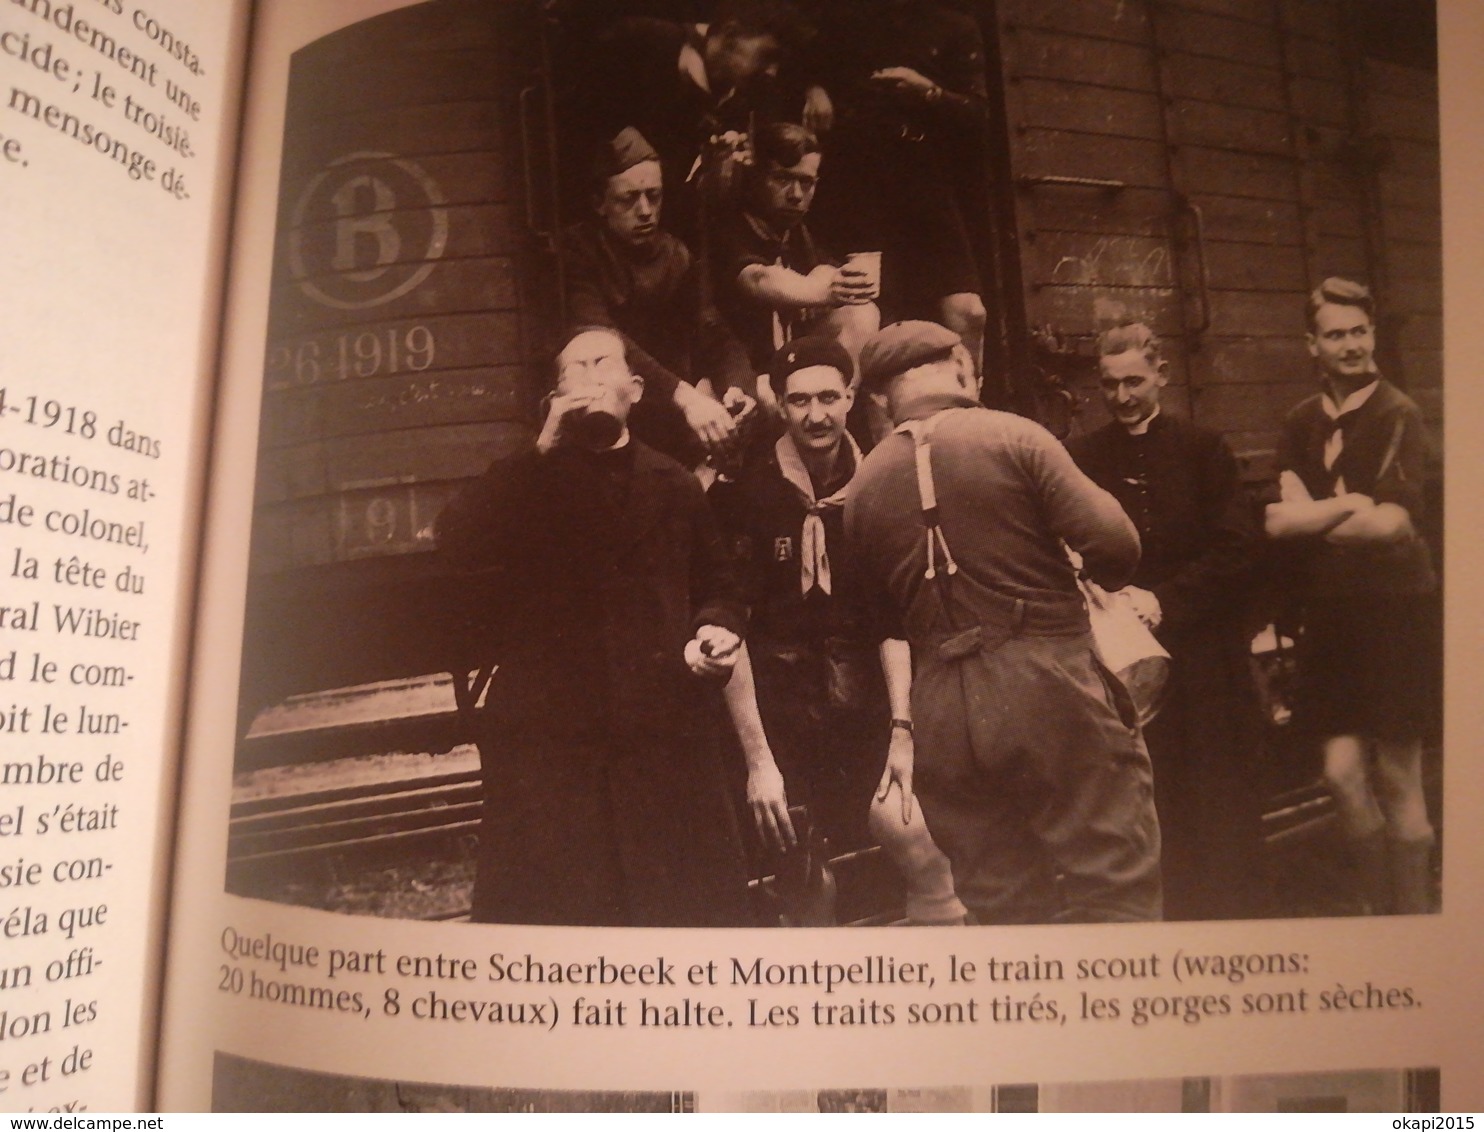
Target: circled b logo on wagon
x=366 y=230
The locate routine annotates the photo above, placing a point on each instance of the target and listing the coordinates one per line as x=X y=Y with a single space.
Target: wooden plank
x=374 y=405
x=1255 y=266
x=1083 y=310
x=1256 y=313
x=397 y=78
x=1097 y=260
x=1253 y=11
x=1422 y=225
x=472 y=177
x=1240 y=41
x=487 y=283
x=1055 y=153
x=1256 y=454
x=1402 y=118
x=405 y=456
x=1099 y=62
x=1406 y=258
x=473 y=230
x=321 y=530
x=1421 y=334
x=1311 y=59
x=1405 y=190
x=1314 y=19
x=1340 y=255
x=1250 y=406
x=1415 y=294
x=408 y=131
x=1132 y=212
x=1338 y=217
x=1261 y=176
x=1232 y=127
x=1414 y=157
x=1227 y=219
x=1397 y=81
x=455 y=341
x=1111 y=19
x=1321 y=102
x=1217 y=80
x=467 y=24
x=1086 y=109
x=1332 y=181
x=1254 y=221
x=1421 y=369
x=1245 y=360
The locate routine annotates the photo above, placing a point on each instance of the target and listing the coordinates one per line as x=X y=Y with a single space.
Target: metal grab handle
x=1030 y=181
x=1203 y=274
x=528 y=175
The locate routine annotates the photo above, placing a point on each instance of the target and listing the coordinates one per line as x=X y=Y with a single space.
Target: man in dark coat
x=1178 y=482
x=596 y=580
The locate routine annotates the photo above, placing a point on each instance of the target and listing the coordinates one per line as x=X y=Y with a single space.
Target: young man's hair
x=777 y=18
x=1341 y=292
x=782 y=144
x=1128 y=336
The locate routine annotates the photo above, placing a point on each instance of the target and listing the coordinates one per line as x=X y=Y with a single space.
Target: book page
x=117 y=142
x=415 y=902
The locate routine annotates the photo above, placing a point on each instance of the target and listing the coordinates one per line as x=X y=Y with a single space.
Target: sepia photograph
x=809 y=463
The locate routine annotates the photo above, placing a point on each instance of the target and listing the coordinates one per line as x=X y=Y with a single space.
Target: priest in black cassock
x=1179 y=484
x=589 y=569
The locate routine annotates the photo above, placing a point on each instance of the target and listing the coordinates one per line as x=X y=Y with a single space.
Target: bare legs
x=1377 y=785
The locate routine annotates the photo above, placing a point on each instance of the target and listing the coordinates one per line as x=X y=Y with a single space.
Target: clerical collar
x=1143 y=426
x=1334 y=409
x=598 y=453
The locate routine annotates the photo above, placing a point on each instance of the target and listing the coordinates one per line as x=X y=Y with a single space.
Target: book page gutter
x=115 y=165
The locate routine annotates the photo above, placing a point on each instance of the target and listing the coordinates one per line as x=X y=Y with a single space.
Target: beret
x=895 y=349
x=806 y=351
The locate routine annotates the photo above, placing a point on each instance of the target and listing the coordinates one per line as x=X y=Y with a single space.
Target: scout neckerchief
x=1341 y=415
x=814 y=558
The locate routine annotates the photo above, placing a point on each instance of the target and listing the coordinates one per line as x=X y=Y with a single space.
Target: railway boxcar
x=1196 y=164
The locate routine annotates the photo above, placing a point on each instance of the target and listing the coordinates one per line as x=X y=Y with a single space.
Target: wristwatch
x=904 y=724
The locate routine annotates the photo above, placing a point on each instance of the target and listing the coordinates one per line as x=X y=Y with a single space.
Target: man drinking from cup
x=590 y=571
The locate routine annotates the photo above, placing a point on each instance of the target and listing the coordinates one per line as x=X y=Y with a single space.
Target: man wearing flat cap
x=1022 y=747
x=624 y=271
x=823 y=707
